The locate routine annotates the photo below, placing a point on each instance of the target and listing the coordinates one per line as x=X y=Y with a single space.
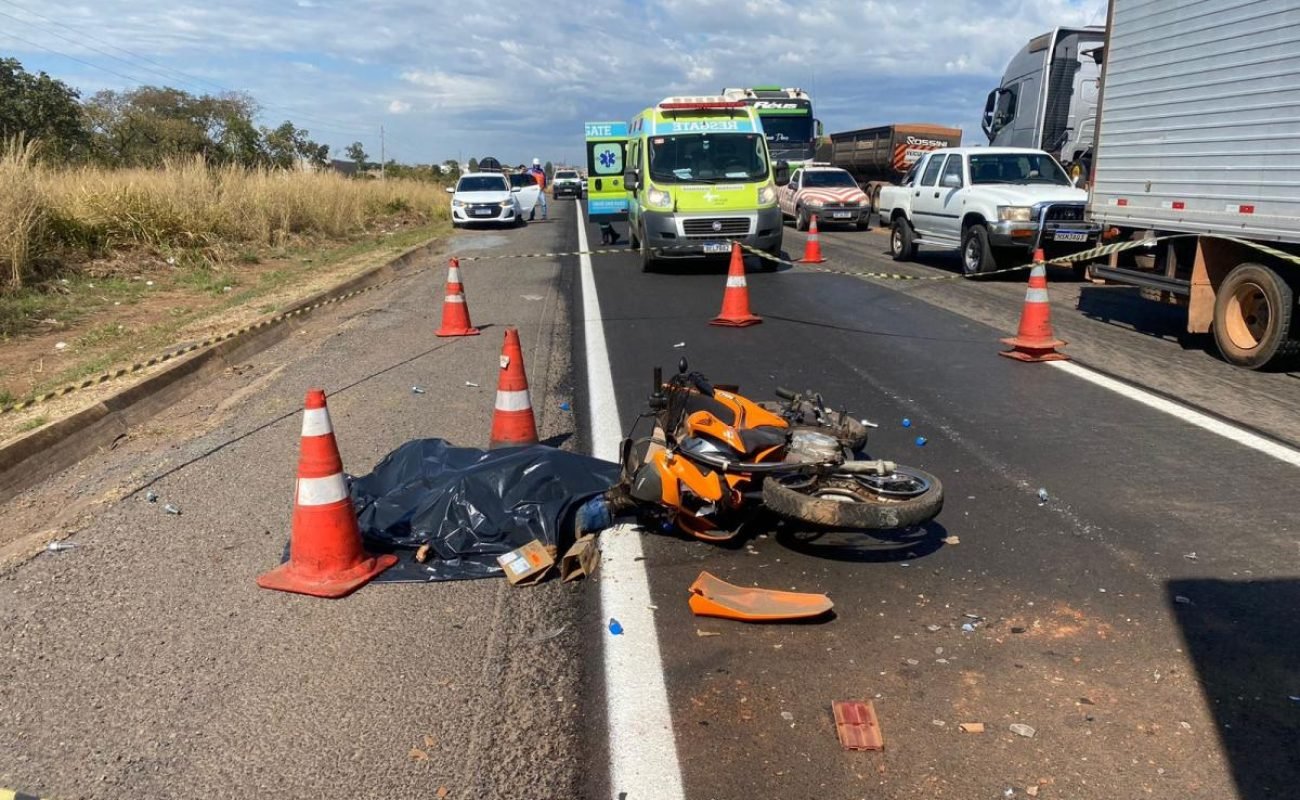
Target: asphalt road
x=145 y=662
x=1077 y=629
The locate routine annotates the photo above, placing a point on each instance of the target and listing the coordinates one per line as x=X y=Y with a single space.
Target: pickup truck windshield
x=829 y=180
x=707 y=158
x=1019 y=168
x=482 y=183
x=566 y=175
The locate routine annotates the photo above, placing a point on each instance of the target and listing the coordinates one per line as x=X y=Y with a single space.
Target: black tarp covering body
x=471 y=505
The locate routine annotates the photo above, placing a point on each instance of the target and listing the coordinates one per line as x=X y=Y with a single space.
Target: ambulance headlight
x=766 y=194
x=658 y=198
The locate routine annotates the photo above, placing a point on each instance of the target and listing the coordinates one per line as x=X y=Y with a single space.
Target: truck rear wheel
x=1253 y=315
x=902 y=246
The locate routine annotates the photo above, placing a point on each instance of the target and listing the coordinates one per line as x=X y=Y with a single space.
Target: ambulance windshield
x=708 y=158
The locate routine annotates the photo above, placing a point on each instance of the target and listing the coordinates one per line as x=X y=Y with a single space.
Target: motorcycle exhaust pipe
x=877 y=467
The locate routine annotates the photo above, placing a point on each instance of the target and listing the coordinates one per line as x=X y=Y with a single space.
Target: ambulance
x=699 y=176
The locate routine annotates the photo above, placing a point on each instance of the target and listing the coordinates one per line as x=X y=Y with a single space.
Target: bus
x=787 y=116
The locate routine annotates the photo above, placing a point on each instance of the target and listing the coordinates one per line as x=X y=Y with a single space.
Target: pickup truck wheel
x=976 y=254
x=800 y=219
x=1253 y=317
x=902 y=245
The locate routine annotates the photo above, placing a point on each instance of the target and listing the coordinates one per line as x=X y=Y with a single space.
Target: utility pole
x=382 y=160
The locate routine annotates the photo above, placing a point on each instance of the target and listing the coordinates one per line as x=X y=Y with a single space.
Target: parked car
x=994 y=204
x=484 y=197
x=827 y=193
x=566 y=183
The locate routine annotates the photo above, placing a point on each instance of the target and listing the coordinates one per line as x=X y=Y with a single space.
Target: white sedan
x=484 y=197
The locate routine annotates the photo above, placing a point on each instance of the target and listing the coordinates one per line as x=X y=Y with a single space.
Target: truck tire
x=801 y=221
x=902 y=244
x=976 y=253
x=1254 y=311
x=647 y=256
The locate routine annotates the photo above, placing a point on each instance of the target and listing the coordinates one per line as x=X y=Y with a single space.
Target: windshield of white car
x=482 y=183
x=521 y=180
x=828 y=180
x=708 y=157
x=1017 y=168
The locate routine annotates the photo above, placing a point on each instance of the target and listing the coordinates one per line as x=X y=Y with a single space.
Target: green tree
x=287 y=146
x=40 y=107
x=473 y=164
x=356 y=153
x=549 y=169
x=150 y=124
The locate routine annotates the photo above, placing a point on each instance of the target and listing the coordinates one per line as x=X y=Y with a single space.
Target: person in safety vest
x=539 y=175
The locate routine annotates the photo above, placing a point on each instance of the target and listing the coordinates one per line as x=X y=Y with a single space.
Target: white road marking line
x=642 y=750
x=1239 y=435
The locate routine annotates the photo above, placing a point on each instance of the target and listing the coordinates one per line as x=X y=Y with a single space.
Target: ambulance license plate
x=841 y=214
x=1070 y=236
x=717 y=247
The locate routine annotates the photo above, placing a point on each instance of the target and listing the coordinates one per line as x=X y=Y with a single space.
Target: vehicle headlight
x=766 y=194
x=507 y=203
x=658 y=198
x=458 y=203
x=1015 y=214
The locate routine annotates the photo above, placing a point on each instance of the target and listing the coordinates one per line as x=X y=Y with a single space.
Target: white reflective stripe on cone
x=1035 y=295
x=513 y=401
x=316 y=422
x=453 y=275
x=736 y=282
x=455 y=298
x=321 y=491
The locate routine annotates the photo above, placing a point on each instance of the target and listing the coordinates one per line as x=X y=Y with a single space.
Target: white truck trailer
x=1198 y=147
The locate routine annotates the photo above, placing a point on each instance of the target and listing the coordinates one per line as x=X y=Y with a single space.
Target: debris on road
x=713 y=597
x=151 y=496
x=417 y=390
x=58 y=547
x=422 y=554
x=418 y=755
x=787 y=716
x=703 y=634
x=1021 y=729
x=471 y=384
x=971 y=727
x=1032 y=791
x=920 y=441
x=1042 y=496
x=171 y=509
x=443 y=791
x=614 y=627
x=907 y=423
x=1183 y=601
x=565 y=406
x=581 y=559
x=1190 y=556
x=545 y=636
x=679 y=345
x=857 y=725
x=526 y=565
x=934 y=628
x=952 y=540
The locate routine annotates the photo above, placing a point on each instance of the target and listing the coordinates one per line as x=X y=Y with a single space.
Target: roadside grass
x=33 y=423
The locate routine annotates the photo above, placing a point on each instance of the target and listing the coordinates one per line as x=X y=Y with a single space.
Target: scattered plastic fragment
x=60 y=345
x=565 y=407
x=912 y=662
x=1017 y=629
x=938 y=723
x=904 y=564
x=471 y=384
x=55 y=547
x=443 y=791
x=1042 y=496
x=920 y=441
x=787 y=716
x=679 y=345
x=417 y=390
x=907 y=423
x=1032 y=791
x=967 y=627
x=1190 y=556
x=1183 y=601
x=952 y=540
x=1008 y=792
x=934 y=628
x=151 y=496
x=702 y=634
x=971 y=727
x=857 y=725
x=868 y=423
x=171 y=509
x=1021 y=729
x=614 y=627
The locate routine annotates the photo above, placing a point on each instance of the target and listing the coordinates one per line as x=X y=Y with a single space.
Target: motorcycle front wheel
x=906 y=498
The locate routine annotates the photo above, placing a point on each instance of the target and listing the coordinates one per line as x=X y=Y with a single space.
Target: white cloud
x=471 y=78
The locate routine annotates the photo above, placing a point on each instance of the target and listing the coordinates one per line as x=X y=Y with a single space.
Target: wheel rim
x=896 y=241
x=1248 y=317
x=900 y=484
x=970 y=256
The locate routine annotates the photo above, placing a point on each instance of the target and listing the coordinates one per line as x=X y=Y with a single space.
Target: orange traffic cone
x=812 y=248
x=1034 y=341
x=455 y=311
x=512 y=422
x=735 y=300
x=325 y=554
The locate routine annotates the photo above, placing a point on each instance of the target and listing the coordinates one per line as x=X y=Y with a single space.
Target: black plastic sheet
x=471 y=505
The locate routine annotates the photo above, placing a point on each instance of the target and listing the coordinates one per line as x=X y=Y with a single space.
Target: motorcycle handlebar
x=786 y=394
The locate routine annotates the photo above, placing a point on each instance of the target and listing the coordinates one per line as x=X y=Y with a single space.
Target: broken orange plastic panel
x=712 y=597
x=857 y=725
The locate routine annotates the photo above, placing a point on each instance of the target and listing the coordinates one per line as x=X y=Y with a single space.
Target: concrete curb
x=28 y=460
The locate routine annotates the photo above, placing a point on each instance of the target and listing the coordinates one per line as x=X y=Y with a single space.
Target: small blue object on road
x=920 y=441
x=907 y=423
x=614 y=627
x=565 y=407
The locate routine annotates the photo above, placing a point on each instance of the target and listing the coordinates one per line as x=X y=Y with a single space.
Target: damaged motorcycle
x=715 y=459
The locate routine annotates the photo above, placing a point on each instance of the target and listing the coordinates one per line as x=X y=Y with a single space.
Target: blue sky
x=517 y=80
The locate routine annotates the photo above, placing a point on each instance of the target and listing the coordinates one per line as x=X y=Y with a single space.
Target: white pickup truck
x=994 y=204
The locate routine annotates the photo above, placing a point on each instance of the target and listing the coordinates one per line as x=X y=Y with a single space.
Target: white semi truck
x=1198 y=154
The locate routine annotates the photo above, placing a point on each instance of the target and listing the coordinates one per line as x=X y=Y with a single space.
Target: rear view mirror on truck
x=630 y=181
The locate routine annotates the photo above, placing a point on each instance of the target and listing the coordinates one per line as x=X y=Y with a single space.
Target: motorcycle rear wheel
x=907 y=498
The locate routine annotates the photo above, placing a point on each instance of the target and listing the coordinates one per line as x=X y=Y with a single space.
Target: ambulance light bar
x=699 y=103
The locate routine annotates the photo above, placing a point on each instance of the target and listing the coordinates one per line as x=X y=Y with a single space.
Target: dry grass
x=52 y=217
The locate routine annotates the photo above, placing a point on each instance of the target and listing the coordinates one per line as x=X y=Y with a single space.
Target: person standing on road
x=539 y=175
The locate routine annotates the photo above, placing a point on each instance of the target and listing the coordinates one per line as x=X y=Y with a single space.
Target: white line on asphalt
x=642 y=751
x=1239 y=435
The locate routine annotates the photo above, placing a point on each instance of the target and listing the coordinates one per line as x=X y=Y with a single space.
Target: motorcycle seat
x=761 y=437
